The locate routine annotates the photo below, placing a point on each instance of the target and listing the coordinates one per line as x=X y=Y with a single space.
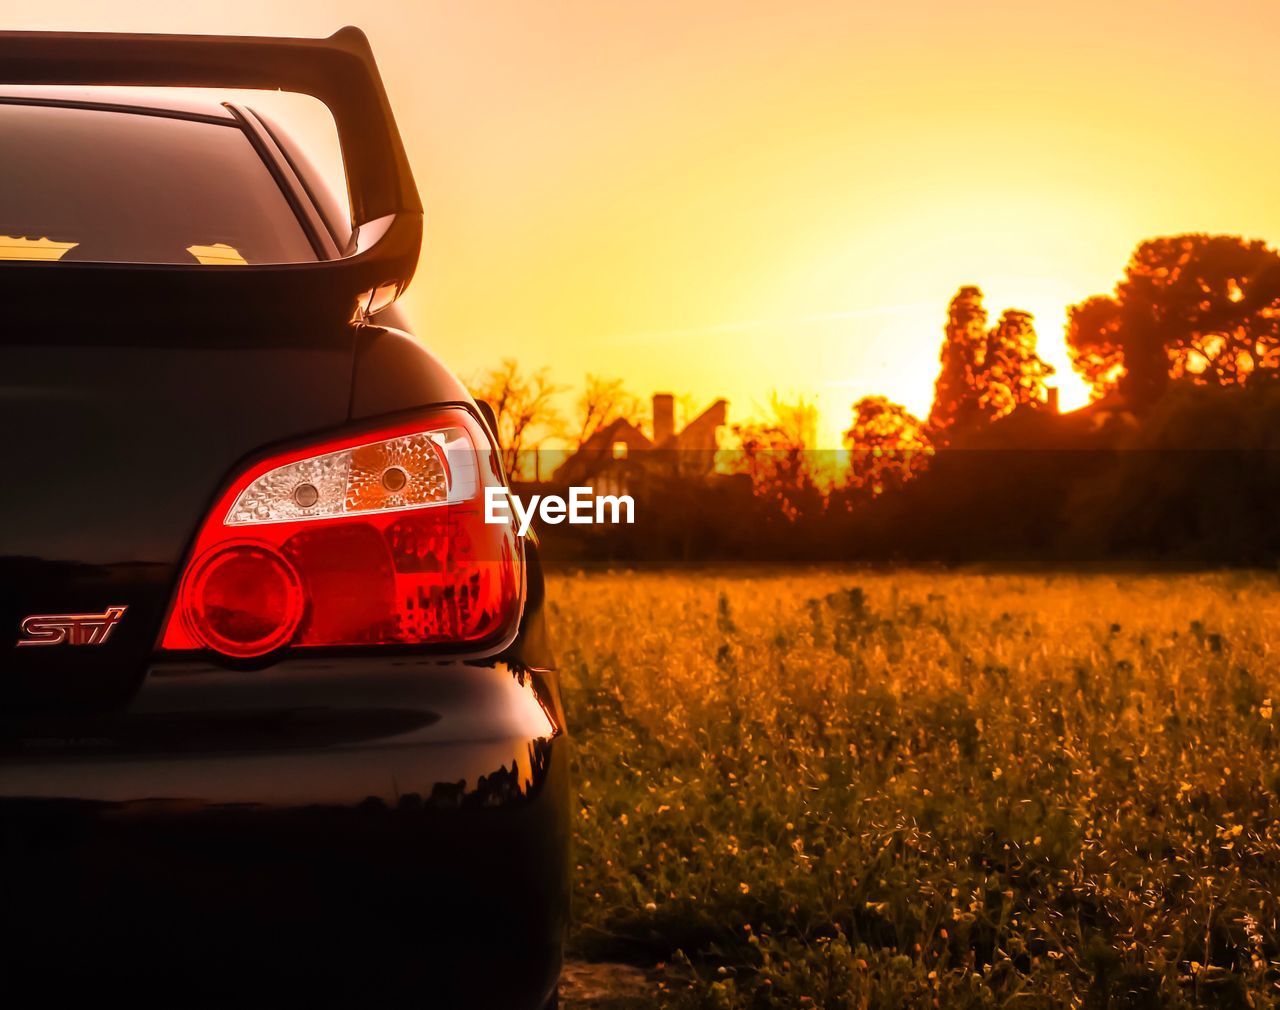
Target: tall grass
x=912 y=789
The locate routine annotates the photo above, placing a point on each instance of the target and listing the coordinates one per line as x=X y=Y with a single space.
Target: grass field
x=853 y=789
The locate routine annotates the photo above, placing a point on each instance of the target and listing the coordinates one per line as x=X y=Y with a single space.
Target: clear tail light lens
x=375 y=539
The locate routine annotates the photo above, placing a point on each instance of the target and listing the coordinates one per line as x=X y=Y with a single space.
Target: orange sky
x=726 y=198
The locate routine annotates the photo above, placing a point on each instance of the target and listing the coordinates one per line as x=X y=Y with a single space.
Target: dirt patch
x=590 y=985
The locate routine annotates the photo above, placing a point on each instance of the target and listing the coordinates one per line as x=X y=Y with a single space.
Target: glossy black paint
x=374 y=826
x=370 y=828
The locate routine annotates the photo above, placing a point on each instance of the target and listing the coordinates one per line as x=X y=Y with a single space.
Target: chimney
x=1053 y=399
x=664 y=417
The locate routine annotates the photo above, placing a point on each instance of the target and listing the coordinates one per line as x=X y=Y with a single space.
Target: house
x=619 y=454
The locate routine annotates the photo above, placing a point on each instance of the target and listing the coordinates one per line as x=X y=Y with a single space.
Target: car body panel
x=419 y=813
x=391 y=370
x=124 y=450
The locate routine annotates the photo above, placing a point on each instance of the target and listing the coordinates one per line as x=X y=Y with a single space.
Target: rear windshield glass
x=119 y=187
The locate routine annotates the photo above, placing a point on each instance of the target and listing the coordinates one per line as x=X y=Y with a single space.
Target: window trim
x=133 y=110
x=297 y=199
x=308 y=185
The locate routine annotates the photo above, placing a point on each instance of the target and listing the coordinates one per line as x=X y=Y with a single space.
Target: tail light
x=373 y=539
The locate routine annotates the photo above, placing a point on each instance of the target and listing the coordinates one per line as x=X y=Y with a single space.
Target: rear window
x=120 y=187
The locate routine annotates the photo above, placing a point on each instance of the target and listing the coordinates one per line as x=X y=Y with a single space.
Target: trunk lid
x=119 y=439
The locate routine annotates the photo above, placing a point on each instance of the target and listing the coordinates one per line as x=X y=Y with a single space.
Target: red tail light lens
x=377 y=539
x=245 y=599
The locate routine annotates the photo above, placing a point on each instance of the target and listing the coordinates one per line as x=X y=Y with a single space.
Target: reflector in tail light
x=373 y=539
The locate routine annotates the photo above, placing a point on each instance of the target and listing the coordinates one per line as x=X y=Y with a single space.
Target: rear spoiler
x=340 y=71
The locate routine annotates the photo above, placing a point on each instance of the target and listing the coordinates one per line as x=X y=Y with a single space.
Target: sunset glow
x=726 y=199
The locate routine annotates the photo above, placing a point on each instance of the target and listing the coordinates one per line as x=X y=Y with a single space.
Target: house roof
x=619 y=430
x=597 y=450
x=713 y=417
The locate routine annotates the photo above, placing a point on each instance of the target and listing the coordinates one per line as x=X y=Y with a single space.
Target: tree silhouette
x=986 y=373
x=887 y=445
x=525 y=409
x=602 y=402
x=774 y=454
x=955 y=393
x=1012 y=372
x=1197 y=307
x=1094 y=343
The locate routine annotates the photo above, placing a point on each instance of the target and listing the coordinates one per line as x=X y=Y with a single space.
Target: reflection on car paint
x=296 y=740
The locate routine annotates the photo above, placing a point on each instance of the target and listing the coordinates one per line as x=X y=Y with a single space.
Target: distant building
x=619 y=454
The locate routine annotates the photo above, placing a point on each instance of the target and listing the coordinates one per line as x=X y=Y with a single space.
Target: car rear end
x=278 y=716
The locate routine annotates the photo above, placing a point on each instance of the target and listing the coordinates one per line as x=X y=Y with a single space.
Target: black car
x=278 y=716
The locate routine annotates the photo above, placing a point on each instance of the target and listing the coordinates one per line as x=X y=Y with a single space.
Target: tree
x=986 y=373
x=1203 y=308
x=1012 y=372
x=1093 y=343
x=525 y=409
x=774 y=453
x=887 y=445
x=602 y=402
x=955 y=393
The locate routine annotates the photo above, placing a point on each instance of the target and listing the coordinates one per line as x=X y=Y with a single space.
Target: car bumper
x=334 y=827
